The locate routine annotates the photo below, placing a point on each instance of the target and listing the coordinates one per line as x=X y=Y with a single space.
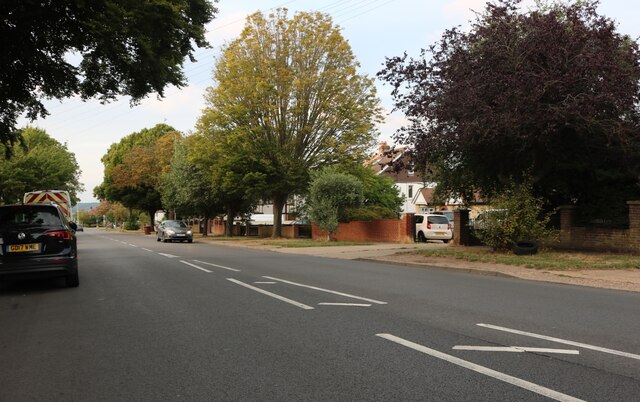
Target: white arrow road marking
x=516 y=349
x=345 y=304
x=169 y=255
x=564 y=341
x=529 y=386
x=217 y=266
x=326 y=290
x=195 y=266
x=275 y=296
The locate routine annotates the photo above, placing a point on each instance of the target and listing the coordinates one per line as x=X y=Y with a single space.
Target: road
x=201 y=322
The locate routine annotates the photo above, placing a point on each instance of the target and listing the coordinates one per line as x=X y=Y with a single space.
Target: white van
x=433 y=227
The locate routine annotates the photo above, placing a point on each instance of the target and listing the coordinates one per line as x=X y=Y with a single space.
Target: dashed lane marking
x=195 y=266
x=169 y=255
x=345 y=304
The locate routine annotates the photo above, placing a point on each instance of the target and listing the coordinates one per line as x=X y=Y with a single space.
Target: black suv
x=37 y=241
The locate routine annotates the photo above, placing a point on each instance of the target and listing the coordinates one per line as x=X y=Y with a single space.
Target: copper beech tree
x=551 y=94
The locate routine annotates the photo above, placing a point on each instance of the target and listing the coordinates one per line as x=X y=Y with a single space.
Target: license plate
x=180 y=234
x=440 y=233
x=23 y=248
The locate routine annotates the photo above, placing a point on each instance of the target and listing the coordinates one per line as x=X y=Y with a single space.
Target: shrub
x=131 y=223
x=522 y=219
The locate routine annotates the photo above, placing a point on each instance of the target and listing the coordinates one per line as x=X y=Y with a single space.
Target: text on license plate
x=440 y=233
x=180 y=234
x=19 y=248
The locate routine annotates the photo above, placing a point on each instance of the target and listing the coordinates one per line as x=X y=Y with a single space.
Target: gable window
x=410 y=191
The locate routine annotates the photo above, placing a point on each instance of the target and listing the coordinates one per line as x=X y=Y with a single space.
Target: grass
x=544 y=260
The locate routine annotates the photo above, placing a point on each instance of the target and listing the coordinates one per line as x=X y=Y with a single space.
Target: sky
x=375 y=29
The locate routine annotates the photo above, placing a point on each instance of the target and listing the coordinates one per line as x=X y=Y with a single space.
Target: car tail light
x=429 y=225
x=448 y=226
x=60 y=234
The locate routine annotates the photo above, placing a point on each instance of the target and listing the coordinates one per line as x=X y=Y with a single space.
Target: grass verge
x=543 y=260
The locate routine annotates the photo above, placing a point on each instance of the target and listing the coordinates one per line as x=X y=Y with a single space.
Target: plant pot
x=525 y=247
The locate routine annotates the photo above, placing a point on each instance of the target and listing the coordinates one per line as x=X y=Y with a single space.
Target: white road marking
x=529 y=386
x=169 y=255
x=217 y=266
x=564 y=341
x=345 y=304
x=264 y=283
x=284 y=299
x=516 y=349
x=195 y=266
x=145 y=249
x=132 y=245
x=326 y=290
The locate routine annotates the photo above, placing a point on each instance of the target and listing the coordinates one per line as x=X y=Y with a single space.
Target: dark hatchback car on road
x=174 y=230
x=37 y=241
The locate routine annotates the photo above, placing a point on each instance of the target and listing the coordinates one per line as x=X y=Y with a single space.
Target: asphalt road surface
x=201 y=322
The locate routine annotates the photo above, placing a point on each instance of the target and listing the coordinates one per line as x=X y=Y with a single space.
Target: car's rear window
x=29 y=215
x=438 y=219
x=175 y=224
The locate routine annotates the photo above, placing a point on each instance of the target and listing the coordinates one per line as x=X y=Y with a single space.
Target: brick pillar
x=461 y=227
x=634 y=224
x=567 y=213
x=410 y=227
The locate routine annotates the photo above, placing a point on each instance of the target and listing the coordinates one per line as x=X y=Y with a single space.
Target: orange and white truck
x=61 y=198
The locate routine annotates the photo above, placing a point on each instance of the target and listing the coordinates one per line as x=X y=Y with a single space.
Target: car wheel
x=421 y=237
x=157 y=238
x=445 y=241
x=72 y=280
x=190 y=241
x=163 y=239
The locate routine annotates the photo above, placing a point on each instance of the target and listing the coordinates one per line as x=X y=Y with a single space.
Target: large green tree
x=188 y=185
x=42 y=163
x=97 y=48
x=290 y=90
x=552 y=93
x=134 y=167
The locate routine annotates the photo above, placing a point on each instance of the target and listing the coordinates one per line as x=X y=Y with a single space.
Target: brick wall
x=381 y=230
x=598 y=238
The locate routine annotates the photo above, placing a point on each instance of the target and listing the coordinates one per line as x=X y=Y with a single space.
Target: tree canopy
x=289 y=89
x=98 y=48
x=134 y=167
x=553 y=93
x=42 y=163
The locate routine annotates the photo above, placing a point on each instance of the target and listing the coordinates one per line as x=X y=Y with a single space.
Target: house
x=395 y=162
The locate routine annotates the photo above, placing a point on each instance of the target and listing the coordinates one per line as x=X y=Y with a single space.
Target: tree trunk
x=228 y=227
x=152 y=215
x=278 y=205
x=205 y=230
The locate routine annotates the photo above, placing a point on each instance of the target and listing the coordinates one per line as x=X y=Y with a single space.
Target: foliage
x=43 y=163
x=288 y=89
x=98 y=48
x=553 y=92
x=131 y=223
x=519 y=217
x=379 y=190
x=134 y=167
x=187 y=187
x=330 y=193
x=367 y=213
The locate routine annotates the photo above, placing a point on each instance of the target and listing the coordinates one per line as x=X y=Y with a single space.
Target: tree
x=187 y=187
x=128 y=48
x=134 y=167
x=289 y=90
x=330 y=193
x=42 y=163
x=553 y=92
